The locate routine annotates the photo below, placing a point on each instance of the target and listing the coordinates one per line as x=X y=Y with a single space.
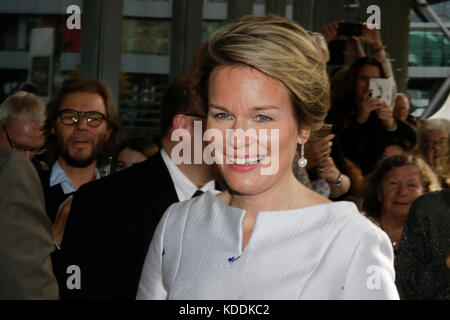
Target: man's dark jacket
x=109 y=229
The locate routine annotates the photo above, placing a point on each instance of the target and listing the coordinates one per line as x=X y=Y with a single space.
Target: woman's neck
x=287 y=195
x=392 y=226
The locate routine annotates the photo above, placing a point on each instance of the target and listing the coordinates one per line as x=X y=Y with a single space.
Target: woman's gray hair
x=23 y=105
x=428 y=126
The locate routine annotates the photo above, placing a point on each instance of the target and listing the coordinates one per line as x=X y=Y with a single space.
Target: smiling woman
x=268 y=236
x=392 y=188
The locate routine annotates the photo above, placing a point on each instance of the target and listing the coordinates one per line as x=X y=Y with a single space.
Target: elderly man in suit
x=26 y=240
x=112 y=220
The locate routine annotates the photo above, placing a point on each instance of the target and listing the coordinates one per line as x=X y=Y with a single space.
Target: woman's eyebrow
x=255 y=108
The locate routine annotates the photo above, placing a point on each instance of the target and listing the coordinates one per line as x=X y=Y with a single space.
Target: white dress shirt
x=58 y=176
x=183 y=186
x=328 y=251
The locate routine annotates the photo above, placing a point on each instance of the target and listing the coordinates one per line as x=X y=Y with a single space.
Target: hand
x=367 y=106
x=371 y=36
x=355 y=49
x=386 y=114
x=447 y=260
x=330 y=31
x=317 y=150
x=328 y=171
x=61 y=219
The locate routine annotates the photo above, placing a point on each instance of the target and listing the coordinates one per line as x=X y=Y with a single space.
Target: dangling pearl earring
x=302 y=162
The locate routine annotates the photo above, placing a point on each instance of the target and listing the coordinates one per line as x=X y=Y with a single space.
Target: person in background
x=392 y=188
x=433 y=145
x=401 y=111
x=119 y=213
x=371 y=37
x=267 y=236
x=81 y=125
x=328 y=179
x=392 y=148
x=22 y=116
x=423 y=261
x=365 y=123
x=134 y=151
x=26 y=241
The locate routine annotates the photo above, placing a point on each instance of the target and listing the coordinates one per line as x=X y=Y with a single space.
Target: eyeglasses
x=434 y=144
x=15 y=146
x=91 y=118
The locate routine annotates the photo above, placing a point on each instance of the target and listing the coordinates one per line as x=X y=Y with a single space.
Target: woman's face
x=365 y=73
x=244 y=98
x=127 y=158
x=436 y=143
x=399 y=188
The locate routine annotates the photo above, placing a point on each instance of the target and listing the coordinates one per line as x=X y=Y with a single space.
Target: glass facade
x=429 y=48
x=22 y=36
x=429 y=56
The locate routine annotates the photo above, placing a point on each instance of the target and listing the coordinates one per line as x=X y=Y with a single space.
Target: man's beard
x=63 y=152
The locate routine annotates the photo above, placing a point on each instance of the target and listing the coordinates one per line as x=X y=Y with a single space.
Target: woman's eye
x=222 y=116
x=263 y=118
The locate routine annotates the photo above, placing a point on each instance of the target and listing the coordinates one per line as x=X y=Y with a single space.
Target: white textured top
x=328 y=251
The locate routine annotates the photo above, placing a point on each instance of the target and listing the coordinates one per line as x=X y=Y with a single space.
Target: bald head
x=401 y=108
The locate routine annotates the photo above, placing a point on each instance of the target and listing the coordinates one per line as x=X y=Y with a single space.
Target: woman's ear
x=303 y=135
x=179 y=122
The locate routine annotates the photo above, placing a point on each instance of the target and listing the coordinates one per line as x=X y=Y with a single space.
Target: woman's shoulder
x=199 y=205
x=350 y=219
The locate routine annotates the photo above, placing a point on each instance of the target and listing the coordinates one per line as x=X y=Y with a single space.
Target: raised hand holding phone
x=386 y=115
x=368 y=105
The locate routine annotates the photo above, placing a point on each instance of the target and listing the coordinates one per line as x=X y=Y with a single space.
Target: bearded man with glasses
x=80 y=129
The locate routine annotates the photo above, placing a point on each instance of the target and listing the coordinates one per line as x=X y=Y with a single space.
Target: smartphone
x=383 y=89
x=350 y=29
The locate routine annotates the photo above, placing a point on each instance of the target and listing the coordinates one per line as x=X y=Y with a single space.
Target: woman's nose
x=241 y=135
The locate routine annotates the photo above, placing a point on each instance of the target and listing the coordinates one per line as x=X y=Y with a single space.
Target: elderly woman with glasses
x=433 y=142
x=268 y=236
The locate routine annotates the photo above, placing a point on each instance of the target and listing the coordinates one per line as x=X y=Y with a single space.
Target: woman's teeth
x=246 y=161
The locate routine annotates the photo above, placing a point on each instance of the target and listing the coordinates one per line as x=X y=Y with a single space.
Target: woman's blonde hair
x=281 y=49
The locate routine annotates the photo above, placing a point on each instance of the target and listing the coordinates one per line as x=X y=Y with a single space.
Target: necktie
x=197 y=193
